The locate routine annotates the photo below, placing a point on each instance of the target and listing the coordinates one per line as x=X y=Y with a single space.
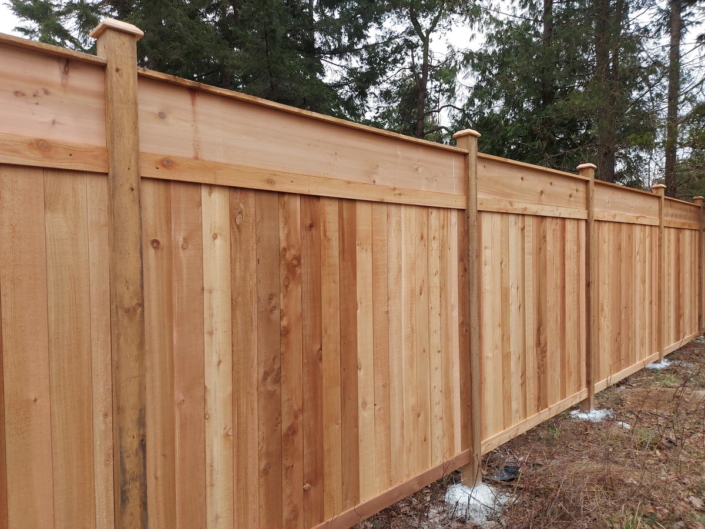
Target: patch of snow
x=592 y=415
x=660 y=365
x=624 y=425
x=479 y=504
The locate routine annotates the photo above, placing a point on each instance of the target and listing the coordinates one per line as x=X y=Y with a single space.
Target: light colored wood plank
x=380 y=320
x=435 y=330
x=530 y=309
x=189 y=360
x=227 y=128
x=423 y=365
x=98 y=252
x=68 y=309
x=504 y=360
x=349 y=354
x=313 y=382
x=158 y=254
x=185 y=169
x=25 y=330
x=48 y=49
x=517 y=207
x=448 y=273
x=409 y=357
x=365 y=351
x=330 y=327
x=218 y=356
x=269 y=411
x=292 y=440
x=4 y=522
x=396 y=357
x=517 y=332
x=243 y=252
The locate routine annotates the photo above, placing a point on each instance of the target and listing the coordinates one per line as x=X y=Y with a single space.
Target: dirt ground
x=645 y=468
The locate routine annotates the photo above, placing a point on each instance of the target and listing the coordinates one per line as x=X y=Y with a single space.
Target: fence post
x=588 y=170
x=117 y=42
x=471 y=474
x=660 y=190
x=701 y=245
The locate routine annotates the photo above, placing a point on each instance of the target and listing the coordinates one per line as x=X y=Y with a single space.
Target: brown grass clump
x=593 y=475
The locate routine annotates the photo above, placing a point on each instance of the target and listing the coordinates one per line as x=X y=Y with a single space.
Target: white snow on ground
x=592 y=415
x=665 y=364
x=624 y=425
x=479 y=504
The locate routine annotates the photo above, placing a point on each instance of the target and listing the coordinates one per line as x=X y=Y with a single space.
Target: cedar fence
x=222 y=312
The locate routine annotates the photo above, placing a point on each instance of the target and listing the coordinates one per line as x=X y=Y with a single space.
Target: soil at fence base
x=645 y=468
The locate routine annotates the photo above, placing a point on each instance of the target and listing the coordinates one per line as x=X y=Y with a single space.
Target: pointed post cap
x=586 y=166
x=117 y=25
x=466 y=132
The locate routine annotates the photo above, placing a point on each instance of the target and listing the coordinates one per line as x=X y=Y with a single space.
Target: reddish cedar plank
x=25 y=348
x=68 y=298
x=380 y=306
x=365 y=351
x=348 y=355
x=541 y=288
x=99 y=262
x=291 y=360
x=269 y=409
x=189 y=376
x=243 y=255
x=158 y=250
x=330 y=328
x=504 y=381
x=312 y=360
x=423 y=364
x=396 y=361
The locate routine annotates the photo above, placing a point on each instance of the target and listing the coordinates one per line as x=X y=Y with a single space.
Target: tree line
x=554 y=82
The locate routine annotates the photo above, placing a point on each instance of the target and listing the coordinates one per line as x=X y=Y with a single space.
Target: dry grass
x=582 y=475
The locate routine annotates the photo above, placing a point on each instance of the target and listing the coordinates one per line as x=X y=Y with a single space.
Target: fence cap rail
x=117 y=25
x=56 y=51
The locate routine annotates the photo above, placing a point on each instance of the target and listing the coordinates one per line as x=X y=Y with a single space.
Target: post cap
x=697 y=199
x=658 y=186
x=586 y=166
x=117 y=25
x=466 y=132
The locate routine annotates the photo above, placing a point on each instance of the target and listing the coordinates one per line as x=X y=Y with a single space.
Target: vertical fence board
x=269 y=411
x=312 y=350
x=23 y=275
x=243 y=255
x=68 y=308
x=189 y=364
x=380 y=321
x=365 y=351
x=218 y=359
x=99 y=270
x=421 y=335
x=330 y=328
x=292 y=441
x=349 y=354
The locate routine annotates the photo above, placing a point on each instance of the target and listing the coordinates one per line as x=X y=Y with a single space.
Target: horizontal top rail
x=194 y=85
x=625 y=188
x=682 y=202
x=40 y=47
x=530 y=166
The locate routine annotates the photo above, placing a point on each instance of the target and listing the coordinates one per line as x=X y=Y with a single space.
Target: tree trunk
x=548 y=95
x=603 y=38
x=422 y=91
x=674 y=80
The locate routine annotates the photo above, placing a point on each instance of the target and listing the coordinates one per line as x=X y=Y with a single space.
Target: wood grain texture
x=292 y=382
x=243 y=256
x=218 y=359
x=68 y=309
x=25 y=331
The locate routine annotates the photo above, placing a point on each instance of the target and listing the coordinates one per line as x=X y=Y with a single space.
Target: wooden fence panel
x=55 y=348
x=297 y=241
x=306 y=302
